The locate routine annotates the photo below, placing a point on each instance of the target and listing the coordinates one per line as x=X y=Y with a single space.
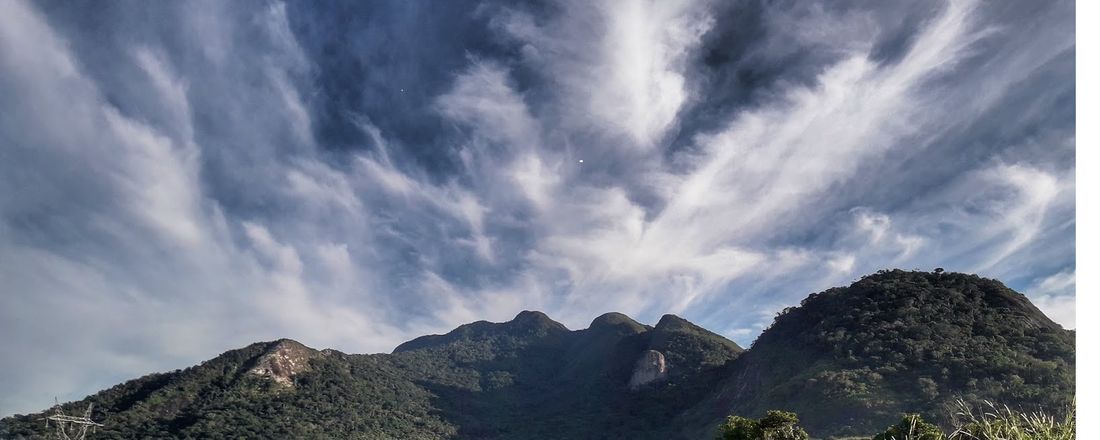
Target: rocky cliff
x=650 y=368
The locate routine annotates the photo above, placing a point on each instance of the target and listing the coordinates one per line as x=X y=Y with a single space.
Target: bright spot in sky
x=580 y=161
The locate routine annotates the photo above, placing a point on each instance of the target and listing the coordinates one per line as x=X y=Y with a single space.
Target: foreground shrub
x=912 y=427
x=775 y=425
x=987 y=422
x=993 y=423
x=738 y=428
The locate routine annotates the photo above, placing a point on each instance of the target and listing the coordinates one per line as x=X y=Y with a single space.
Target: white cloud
x=633 y=82
x=1061 y=283
x=1056 y=295
x=483 y=98
x=1062 y=309
x=1021 y=216
x=150 y=251
x=159 y=179
x=875 y=235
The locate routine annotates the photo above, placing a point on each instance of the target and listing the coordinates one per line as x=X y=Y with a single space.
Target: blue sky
x=182 y=178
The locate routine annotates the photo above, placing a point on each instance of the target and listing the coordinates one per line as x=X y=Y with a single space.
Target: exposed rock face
x=283 y=361
x=650 y=368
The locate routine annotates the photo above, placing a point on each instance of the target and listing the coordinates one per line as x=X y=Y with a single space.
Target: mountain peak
x=286 y=343
x=536 y=319
x=282 y=360
x=673 y=332
x=925 y=335
x=615 y=320
x=528 y=323
x=672 y=322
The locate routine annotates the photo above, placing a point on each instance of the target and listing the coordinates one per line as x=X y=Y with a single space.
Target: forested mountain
x=848 y=360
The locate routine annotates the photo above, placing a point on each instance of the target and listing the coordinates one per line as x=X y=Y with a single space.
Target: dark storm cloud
x=178 y=179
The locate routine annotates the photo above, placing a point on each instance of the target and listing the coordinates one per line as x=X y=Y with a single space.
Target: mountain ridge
x=846 y=359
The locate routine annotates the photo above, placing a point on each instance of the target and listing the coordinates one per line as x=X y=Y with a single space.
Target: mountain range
x=849 y=361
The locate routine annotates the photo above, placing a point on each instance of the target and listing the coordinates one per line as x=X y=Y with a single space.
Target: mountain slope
x=899 y=342
x=849 y=360
x=529 y=377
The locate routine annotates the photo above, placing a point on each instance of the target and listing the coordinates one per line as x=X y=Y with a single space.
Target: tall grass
x=989 y=422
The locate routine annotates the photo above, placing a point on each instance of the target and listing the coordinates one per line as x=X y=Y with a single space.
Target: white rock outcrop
x=650 y=368
x=283 y=361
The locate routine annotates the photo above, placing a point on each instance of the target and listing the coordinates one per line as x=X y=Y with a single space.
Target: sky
x=178 y=179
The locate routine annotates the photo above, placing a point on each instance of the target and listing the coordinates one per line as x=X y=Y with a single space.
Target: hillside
x=527 y=377
x=848 y=360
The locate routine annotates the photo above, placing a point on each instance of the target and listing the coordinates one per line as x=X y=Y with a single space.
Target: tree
x=775 y=425
x=911 y=427
x=738 y=428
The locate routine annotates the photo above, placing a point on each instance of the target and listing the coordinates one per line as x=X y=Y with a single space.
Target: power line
x=71 y=427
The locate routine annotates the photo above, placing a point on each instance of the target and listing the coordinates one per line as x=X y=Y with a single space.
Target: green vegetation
x=775 y=425
x=529 y=377
x=898 y=342
x=1001 y=423
x=849 y=361
x=989 y=422
x=911 y=427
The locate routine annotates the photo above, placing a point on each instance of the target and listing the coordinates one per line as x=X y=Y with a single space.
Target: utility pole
x=71 y=427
